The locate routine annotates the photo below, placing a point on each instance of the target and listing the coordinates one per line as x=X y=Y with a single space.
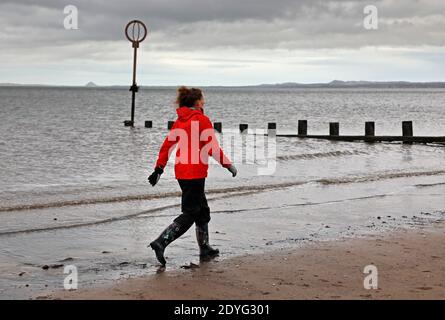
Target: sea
x=74 y=193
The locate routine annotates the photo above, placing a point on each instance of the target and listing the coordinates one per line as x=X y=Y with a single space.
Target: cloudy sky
x=222 y=42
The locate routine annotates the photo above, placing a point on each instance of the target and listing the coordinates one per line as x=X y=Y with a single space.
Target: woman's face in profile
x=201 y=102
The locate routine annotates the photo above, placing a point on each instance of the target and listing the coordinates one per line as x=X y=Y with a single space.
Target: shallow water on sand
x=74 y=187
x=243 y=222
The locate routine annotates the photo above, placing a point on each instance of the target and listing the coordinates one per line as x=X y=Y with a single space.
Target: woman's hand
x=155 y=176
x=232 y=170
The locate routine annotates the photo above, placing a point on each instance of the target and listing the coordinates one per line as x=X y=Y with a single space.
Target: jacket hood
x=185 y=113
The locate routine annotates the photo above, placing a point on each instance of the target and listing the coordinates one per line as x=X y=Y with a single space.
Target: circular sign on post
x=136 y=32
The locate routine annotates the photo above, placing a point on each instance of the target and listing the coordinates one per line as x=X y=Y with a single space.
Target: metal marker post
x=136 y=32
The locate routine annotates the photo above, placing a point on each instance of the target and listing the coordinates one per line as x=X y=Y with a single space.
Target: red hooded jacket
x=193 y=135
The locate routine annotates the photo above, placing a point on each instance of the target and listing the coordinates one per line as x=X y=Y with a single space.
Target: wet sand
x=410 y=265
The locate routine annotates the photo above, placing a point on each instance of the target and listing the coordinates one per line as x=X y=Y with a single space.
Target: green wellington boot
x=171 y=233
x=202 y=236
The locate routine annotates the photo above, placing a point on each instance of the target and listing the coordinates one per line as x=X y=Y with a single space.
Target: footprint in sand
x=337 y=285
x=424 y=288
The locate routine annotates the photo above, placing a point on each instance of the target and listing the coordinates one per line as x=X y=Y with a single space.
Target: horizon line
x=93 y=85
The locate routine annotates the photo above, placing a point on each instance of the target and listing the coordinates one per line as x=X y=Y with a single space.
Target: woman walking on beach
x=195 y=140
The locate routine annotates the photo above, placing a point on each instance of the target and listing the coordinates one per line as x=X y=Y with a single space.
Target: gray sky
x=222 y=42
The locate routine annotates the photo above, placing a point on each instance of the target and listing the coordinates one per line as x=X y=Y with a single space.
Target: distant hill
x=358 y=84
x=91 y=85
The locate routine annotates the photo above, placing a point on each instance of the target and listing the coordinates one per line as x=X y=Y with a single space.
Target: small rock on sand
x=190 y=266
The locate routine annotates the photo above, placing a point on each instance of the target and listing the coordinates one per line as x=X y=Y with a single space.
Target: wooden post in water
x=217 y=126
x=271 y=128
x=302 y=127
x=407 y=130
x=334 y=128
x=148 y=124
x=243 y=127
x=170 y=125
x=370 y=129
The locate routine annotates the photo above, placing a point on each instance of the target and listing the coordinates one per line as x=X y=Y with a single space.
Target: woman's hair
x=187 y=97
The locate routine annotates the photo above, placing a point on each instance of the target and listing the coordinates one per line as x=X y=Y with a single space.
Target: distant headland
x=289 y=85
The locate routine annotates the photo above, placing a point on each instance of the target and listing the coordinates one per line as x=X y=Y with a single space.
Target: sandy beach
x=409 y=263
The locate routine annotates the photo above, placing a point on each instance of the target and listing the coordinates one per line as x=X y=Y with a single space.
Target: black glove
x=233 y=170
x=155 y=176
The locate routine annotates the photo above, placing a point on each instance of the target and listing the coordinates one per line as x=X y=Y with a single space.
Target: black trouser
x=194 y=203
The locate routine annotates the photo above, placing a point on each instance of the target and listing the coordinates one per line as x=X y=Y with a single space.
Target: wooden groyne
x=407 y=136
x=352 y=138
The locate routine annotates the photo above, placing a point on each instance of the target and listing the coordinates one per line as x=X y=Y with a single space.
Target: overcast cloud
x=227 y=42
